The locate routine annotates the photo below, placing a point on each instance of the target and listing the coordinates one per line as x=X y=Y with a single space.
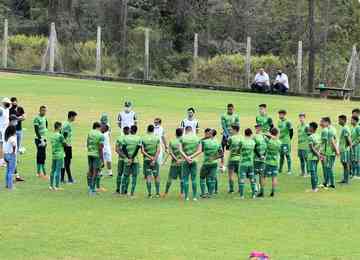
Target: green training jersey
x=41 y=123
x=174 y=147
x=330 y=151
x=323 y=140
x=211 y=149
x=273 y=152
x=94 y=140
x=303 y=137
x=67 y=131
x=119 y=143
x=284 y=128
x=247 y=147
x=132 y=143
x=355 y=135
x=315 y=141
x=151 y=143
x=265 y=122
x=260 y=147
x=190 y=144
x=234 y=147
x=57 y=146
x=228 y=120
x=345 y=134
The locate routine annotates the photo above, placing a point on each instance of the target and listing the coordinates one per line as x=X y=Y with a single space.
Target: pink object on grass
x=260 y=255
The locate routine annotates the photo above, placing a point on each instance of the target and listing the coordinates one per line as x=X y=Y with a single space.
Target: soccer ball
x=22 y=150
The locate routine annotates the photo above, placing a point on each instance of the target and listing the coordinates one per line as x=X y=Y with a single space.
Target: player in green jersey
x=286 y=135
x=131 y=146
x=355 y=112
x=57 y=146
x=328 y=137
x=355 y=150
x=190 y=148
x=263 y=119
x=345 y=145
x=247 y=148
x=260 y=151
x=271 y=161
x=95 y=145
x=212 y=152
x=122 y=156
x=303 y=146
x=314 y=155
x=227 y=120
x=175 y=170
x=41 y=127
x=234 y=157
x=150 y=148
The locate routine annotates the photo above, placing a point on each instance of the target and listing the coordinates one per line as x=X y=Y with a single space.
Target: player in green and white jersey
x=150 y=148
x=356 y=112
x=212 y=152
x=303 y=146
x=234 y=157
x=286 y=135
x=247 y=148
x=57 y=146
x=175 y=171
x=314 y=155
x=121 y=160
x=40 y=124
x=260 y=151
x=190 y=148
x=345 y=145
x=227 y=120
x=355 y=150
x=131 y=146
x=264 y=120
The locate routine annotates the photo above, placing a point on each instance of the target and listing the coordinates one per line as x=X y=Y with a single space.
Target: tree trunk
x=312 y=51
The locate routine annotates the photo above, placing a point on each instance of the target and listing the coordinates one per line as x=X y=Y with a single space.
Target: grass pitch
x=38 y=224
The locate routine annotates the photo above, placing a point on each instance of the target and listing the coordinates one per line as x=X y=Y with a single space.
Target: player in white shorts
x=106 y=130
x=190 y=121
x=4 y=122
x=159 y=132
x=127 y=117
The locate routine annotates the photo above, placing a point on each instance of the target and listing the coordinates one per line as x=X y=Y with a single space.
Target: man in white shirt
x=190 y=121
x=4 y=122
x=127 y=118
x=281 y=84
x=159 y=132
x=261 y=82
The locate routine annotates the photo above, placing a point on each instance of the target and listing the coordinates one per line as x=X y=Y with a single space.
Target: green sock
x=52 y=180
x=38 y=168
x=118 y=182
x=181 y=186
x=288 y=159
x=125 y=184
x=357 y=169
x=202 y=186
x=262 y=190
x=148 y=186
x=253 y=187
x=98 y=177
x=241 y=188
x=231 y=186
x=273 y=190
x=216 y=185
x=88 y=181
x=157 y=187
x=133 y=184
x=167 y=187
x=43 y=169
x=194 y=188
x=186 y=189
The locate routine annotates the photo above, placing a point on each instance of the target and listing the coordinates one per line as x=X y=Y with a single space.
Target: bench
x=345 y=93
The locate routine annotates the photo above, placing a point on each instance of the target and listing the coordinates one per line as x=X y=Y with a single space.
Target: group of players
x=255 y=155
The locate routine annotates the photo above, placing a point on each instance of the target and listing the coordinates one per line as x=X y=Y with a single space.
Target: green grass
x=38 y=224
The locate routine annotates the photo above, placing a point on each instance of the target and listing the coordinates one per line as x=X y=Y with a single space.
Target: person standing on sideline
x=303 y=146
x=286 y=135
x=18 y=114
x=4 y=122
x=58 y=143
x=281 y=84
x=160 y=133
x=67 y=132
x=10 y=151
x=190 y=121
x=40 y=123
x=127 y=117
x=228 y=119
x=261 y=82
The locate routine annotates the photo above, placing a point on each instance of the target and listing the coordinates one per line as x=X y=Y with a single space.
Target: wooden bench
x=345 y=93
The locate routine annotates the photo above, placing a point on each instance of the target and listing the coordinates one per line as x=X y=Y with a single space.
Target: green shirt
x=265 y=122
x=119 y=143
x=273 y=152
x=284 y=128
x=260 y=147
x=57 y=146
x=303 y=137
x=323 y=140
x=131 y=144
x=174 y=148
x=313 y=140
x=234 y=147
x=190 y=144
x=343 y=139
x=331 y=135
x=41 y=123
x=247 y=147
x=151 y=144
x=211 y=149
x=355 y=135
x=67 y=130
x=228 y=120
x=94 y=140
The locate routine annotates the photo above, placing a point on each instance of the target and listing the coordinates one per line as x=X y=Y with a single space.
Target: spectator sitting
x=281 y=84
x=262 y=82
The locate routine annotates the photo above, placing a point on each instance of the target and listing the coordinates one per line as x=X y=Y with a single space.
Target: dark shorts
x=175 y=172
x=271 y=171
x=246 y=172
x=151 y=170
x=94 y=163
x=224 y=142
x=40 y=152
x=132 y=169
x=68 y=152
x=208 y=170
x=234 y=166
x=259 y=167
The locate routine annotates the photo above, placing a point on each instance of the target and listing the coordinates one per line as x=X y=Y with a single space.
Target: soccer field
x=38 y=224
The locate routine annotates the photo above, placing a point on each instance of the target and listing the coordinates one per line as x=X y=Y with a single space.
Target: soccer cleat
x=242 y=197
x=343 y=182
x=253 y=196
x=19 y=179
x=332 y=186
x=101 y=190
x=187 y=199
x=260 y=195
x=58 y=189
x=149 y=196
x=157 y=196
x=51 y=188
x=315 y=190
x=195 y=199
x=289 y=173
x=230 y=191
x=272 y=194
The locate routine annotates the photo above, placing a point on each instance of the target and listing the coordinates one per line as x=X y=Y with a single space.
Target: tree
x=312 y=52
